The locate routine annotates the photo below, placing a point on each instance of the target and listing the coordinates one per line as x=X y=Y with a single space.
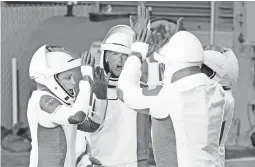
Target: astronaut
x=163 y=135
x=193 y=101
x=221 y=65
x=54 y=109
x=122 y=139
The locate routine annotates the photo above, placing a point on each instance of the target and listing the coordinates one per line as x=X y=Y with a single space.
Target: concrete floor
x=22 y=160
x=241 y=163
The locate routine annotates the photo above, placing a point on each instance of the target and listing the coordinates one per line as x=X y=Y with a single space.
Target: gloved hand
x=140 y=46
x=143 y=18
x=180 y=26
x=100 y=83
x=88 y=161
x=142 y=32
x=87 y=65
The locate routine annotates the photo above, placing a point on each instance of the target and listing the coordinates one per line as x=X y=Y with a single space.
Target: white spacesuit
x=194 y=102
x=54 y=111
x=221 y=65
x=122 y=139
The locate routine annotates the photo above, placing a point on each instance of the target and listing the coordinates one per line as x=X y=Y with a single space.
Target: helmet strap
x=185 y=72
x=62 y=86
x=226 y=88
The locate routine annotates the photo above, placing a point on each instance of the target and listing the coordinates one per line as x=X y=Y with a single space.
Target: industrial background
x=27 y=25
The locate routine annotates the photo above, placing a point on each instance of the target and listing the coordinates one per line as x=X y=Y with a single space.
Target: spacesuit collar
x=112 y=94
x=191 y=81
x=226 y=88
x=184 y=73
x=112 y=86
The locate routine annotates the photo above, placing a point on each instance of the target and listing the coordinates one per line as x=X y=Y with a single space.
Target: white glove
x=86 y=70
x=140 y=47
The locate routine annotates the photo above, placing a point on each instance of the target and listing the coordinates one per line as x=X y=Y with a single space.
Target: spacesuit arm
x=148 y=92
x=95 y=116
x=129 y=90
x=97 y=107
x=228 y=123
x=64 y=115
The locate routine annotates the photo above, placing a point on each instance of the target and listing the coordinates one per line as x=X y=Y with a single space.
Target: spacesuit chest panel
x=115 y=142
x=52 y=146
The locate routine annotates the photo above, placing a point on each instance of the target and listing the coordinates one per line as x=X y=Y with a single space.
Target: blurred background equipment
x=17 y=139
x=251 y=118
x=14 y=91
x=245 y=35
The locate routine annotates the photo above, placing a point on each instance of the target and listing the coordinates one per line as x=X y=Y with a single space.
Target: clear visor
x=217 y=48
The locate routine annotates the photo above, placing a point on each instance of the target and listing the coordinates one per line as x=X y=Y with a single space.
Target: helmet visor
x=216 y=48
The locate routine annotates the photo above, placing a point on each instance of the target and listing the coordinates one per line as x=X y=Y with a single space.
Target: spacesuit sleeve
x=32 y=118
x=97 y=107
x=129 y=90
x=64 y=115
x=149 y=92
x=228 y=122
x=95 y=117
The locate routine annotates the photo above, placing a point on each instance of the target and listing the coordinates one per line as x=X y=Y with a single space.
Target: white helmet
x=118 y=39
x=183 y=50
x=48 y=61
x=224 y=62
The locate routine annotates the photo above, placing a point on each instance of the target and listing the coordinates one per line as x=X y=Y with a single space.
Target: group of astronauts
x=106 y=122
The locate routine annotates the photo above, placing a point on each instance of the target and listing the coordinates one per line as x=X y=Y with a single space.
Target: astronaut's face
x=116 y=61
x=69 y=79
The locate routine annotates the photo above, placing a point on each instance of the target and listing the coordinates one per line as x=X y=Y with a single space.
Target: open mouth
x=119 y=67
